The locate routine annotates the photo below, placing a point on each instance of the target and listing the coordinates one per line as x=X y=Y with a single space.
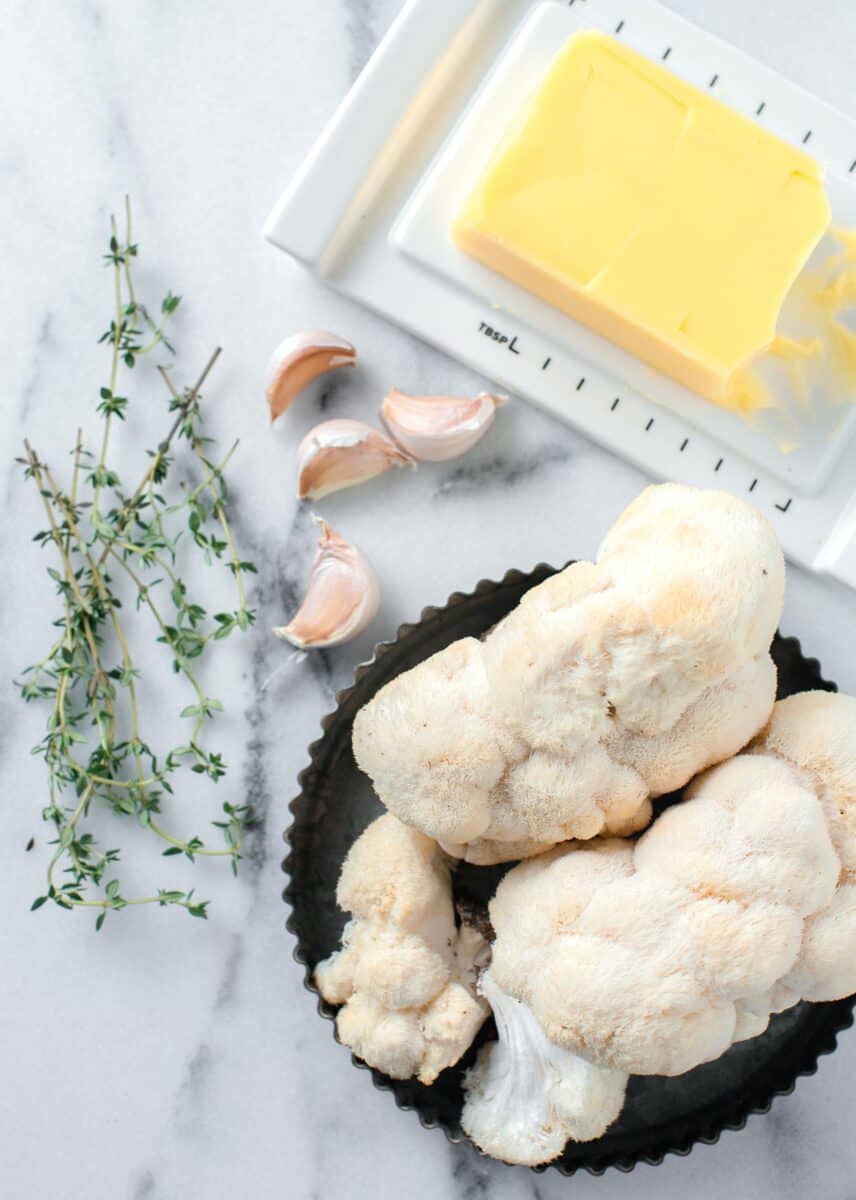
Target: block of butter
x=649 y=211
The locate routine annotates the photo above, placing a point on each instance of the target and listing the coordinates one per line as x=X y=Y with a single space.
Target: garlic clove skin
x=342 y=597
x=438 y=428
x=298 y=360
x=342 y=453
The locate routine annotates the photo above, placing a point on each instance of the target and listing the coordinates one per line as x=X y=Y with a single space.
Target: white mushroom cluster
x=405 y=974
x=611 y=683
x=652 y=957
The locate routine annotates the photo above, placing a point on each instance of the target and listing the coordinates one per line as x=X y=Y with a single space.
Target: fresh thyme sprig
x=94 y=748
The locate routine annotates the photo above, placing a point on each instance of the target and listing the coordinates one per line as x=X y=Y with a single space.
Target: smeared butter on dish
x=650 y=212
x=836 y=296
x=809 y=368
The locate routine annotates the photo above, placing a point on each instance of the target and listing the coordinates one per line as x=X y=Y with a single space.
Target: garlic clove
x=437 y=428
x=298 y=360
x=342 y=597
x=341 y=453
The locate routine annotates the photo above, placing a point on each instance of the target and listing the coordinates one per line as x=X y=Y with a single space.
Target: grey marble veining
x=362 y=31
x=166 y=1059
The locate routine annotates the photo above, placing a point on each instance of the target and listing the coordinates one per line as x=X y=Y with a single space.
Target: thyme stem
x=89 y=674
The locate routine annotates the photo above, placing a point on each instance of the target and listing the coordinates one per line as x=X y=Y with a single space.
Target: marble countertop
x=165 y=1059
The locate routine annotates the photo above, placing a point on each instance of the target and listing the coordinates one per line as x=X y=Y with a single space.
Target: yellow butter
x=648 y=211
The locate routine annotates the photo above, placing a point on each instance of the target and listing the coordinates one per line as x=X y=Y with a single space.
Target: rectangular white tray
x=369 y=210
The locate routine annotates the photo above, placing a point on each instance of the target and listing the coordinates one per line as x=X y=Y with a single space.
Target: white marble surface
x=165 y=1059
